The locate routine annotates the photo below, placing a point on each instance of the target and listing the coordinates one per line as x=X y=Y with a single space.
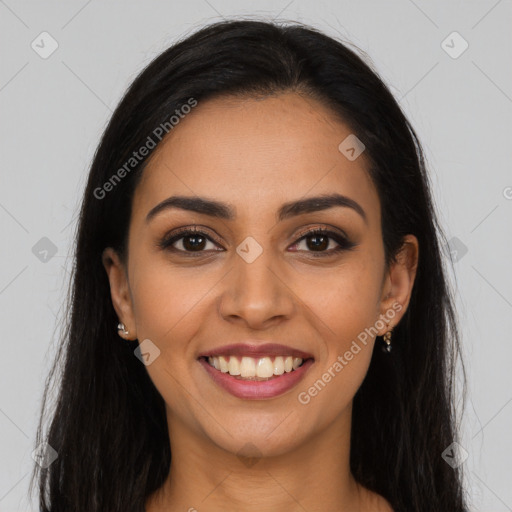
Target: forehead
x=256 y=152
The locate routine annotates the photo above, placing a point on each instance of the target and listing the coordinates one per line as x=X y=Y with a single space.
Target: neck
x=315 y=475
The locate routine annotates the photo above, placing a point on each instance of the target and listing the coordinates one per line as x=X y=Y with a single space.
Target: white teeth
x=223 y=365
x=233 y=366
x=278 y=366
x=249 y=367
x=264 y=368
x=219 y=363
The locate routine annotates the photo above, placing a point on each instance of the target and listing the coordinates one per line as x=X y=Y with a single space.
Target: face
x=261 y=275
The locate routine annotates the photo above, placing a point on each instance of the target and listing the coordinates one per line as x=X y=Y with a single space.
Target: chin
x=268 y=440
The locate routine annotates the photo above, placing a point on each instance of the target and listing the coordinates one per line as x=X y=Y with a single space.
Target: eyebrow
x=225 y=211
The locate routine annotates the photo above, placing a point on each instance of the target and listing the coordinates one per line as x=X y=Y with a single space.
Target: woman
x=260 y=318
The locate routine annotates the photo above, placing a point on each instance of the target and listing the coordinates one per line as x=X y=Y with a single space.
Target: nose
x=257 y=293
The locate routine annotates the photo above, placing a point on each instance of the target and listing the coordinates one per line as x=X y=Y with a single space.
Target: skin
x=257 y=154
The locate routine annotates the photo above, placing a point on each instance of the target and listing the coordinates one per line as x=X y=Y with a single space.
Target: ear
x=120 y=291
x=398 y=283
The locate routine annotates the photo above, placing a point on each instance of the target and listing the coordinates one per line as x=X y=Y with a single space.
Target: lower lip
x=253 y=389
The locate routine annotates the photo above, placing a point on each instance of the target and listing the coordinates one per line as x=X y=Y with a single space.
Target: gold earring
x=387 y=340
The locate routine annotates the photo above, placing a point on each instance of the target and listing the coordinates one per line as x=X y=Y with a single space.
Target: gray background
x=54 y=109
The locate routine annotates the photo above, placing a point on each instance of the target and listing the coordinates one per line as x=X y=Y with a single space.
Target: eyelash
x=343 y=243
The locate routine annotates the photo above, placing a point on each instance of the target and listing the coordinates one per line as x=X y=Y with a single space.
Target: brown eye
x=320 y=241
x=188 y=241
x=317 y=242
x=193 y=242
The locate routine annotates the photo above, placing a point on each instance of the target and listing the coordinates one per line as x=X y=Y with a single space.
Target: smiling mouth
x=255 y=368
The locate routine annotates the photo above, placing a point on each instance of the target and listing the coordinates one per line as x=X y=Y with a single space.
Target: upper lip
x=256 y=350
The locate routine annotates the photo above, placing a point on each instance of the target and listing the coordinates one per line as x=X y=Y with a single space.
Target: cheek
x=168 y=305
x=346 y=308
x=345 y=299
x=166 y=298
